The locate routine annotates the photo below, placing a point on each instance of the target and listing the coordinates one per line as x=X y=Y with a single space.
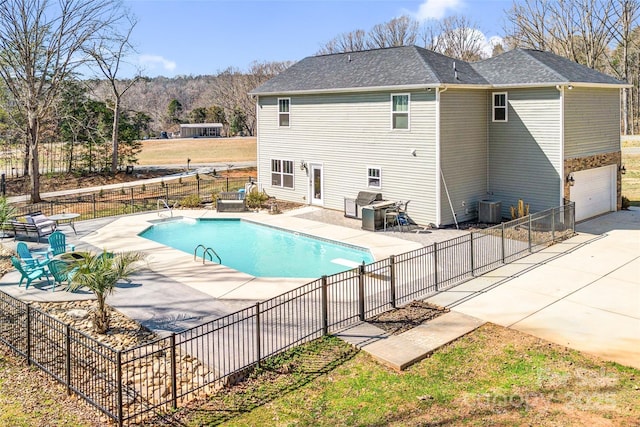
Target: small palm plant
x=100 y=274
x=7 y=212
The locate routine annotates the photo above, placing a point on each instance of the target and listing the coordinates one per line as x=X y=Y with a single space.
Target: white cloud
x=437 y=9
x=153 y=62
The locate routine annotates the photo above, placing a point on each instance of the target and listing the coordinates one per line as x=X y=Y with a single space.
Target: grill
x=353 y=207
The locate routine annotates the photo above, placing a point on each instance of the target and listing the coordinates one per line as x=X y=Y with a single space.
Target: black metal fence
x=129 y=386
x=134 y=199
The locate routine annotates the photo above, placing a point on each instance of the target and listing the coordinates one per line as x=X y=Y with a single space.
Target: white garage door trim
x=594 y=191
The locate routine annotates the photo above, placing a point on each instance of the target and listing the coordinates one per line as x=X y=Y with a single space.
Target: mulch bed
x=407 y=317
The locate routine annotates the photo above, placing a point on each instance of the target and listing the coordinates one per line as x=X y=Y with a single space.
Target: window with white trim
x=374 y=177
x=282 y=173
x=400 y=111
x=283 y=112
x=500 y=107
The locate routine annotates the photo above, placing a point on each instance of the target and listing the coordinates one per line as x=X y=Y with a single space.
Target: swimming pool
x=259 y=250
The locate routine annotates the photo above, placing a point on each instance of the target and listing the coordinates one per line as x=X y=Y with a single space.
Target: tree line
x=45 y=44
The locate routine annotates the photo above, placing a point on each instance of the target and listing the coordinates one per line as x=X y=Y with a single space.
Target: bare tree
x=402 y=31
x=460 y=38
x=109 y=54
x=576 y=29
x=41 y=45
x=624 y=17
x=353 y=41
x=232 y=87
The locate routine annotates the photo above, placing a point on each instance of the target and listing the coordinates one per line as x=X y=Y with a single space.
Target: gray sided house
x=443 y=133
x=197 y=130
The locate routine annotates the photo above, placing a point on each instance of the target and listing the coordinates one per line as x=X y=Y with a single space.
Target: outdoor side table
x=65 y=219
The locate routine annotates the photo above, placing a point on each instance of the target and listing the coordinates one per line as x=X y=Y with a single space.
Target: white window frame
x=282 y=113
x=408 y=112
x=371 y=178
x=494 y=107
x=281 y=173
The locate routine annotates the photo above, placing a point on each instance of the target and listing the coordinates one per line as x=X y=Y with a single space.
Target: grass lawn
x=493 y=376
x=29 y=398
x=199 y=150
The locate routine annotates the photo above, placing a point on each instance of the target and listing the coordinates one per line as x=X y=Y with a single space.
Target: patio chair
x=27 y=257
x=397 y=216
x=60 y=272
x=58 y=244
x=28 y=273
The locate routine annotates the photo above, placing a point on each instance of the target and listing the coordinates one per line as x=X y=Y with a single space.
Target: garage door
x=594 y=191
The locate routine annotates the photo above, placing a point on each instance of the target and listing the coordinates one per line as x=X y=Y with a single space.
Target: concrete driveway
x=583 y=293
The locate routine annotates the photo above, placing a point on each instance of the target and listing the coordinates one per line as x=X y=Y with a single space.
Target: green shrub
x=255 y=199
x=191 y=201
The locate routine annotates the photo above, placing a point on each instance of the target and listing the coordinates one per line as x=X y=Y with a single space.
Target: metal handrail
x=206 y=251
x=166 y=206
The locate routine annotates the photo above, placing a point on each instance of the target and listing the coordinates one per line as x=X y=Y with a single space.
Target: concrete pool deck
x=174 y=292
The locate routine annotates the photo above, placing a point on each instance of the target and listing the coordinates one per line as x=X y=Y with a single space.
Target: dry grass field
x=199 y=150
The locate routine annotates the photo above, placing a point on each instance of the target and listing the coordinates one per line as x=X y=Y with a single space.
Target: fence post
x=28 y=334
x=361 y=291
x=227 y=184
x=258 y=350
x=93 y=197
x=166 y=193
x=67 y=359
x=392 y=266
x=530 y=225
x=325 y=308
x=553 y=224
x=198 y=186
x=132 y=200
x=119 y=386
x=473 y=263
x=51 y=207
x=174 y=376
x=502 y=240
x=435 y=264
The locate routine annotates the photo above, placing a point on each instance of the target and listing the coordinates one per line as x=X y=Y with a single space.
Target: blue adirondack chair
x=58 y=244
x=27 y=257
x=29 y=273
x=60 y=272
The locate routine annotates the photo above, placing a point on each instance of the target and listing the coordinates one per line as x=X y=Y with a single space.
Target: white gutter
x=439 y=85
x=557 y=84
x=258 y=140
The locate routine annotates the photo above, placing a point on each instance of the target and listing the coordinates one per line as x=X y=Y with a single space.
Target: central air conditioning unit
x=489 y=211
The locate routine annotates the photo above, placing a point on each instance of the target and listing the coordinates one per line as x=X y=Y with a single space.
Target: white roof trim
x=440 y=85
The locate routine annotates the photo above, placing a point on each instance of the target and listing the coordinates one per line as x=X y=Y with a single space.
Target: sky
x=197 y=37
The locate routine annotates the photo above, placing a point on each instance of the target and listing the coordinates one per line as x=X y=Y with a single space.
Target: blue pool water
x=258 y=250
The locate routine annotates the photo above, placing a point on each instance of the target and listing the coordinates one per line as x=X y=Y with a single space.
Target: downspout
x=258 y=141
x=438 y=169
x=562 y=178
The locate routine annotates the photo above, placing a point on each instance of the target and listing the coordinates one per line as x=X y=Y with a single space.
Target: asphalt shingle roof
x=400 y=66
x=526 y=66
x=408 y=66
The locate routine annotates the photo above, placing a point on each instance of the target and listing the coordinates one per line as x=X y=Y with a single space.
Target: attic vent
x=455 y=71
x=348 y=58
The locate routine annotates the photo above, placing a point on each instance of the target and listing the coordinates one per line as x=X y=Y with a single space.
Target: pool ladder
x=206 y=251
x=165 y=205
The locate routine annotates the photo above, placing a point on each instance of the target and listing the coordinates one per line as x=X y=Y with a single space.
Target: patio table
x=65 y=219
